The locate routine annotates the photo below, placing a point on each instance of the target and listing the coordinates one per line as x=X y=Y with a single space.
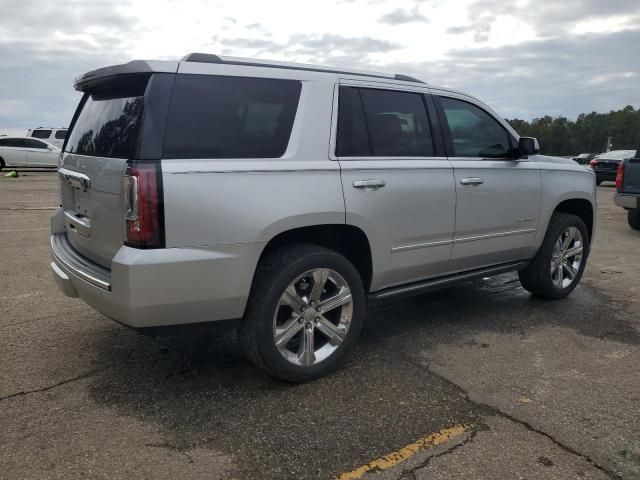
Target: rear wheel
x=557 y=267
x=1 y=163
x=304 y=314
x=633 y=217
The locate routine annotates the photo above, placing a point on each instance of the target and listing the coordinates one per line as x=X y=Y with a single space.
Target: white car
x=27 y=152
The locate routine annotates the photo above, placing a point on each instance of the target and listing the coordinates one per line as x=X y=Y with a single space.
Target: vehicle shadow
x=203 y=393
x=500 y=305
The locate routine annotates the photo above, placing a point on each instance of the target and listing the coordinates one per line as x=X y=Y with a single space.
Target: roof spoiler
x=94 y=78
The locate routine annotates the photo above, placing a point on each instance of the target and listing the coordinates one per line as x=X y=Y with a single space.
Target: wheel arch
x=582 y=208
x=348 y=240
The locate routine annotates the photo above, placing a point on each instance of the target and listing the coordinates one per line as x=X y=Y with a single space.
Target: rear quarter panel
x=239 y=201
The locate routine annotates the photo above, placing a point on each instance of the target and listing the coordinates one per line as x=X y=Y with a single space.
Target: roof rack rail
x=211 y=58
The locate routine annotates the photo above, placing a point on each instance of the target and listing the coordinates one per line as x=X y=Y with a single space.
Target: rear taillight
x=143 y=205
x=620 y=177
x=593 y=163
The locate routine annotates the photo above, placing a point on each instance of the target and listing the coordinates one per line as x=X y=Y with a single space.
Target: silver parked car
x=27 y=152
x=286 y=196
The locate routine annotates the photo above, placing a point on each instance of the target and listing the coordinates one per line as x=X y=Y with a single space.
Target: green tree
x=586 y=134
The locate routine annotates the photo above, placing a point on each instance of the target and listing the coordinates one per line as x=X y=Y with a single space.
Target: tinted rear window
x=30 y=143
x=61 y=134
x=109 y=120
x=397 y=122
x=41 y=133
x=230 y=117
x=382 y=123
x=353 y=139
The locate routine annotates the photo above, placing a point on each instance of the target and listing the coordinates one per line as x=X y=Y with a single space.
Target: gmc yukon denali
x=286 y=196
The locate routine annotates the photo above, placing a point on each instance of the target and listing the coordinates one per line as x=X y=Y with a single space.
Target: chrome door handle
x=369 y=184
x=474 y=181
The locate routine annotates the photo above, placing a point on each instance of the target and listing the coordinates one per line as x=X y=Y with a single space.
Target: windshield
x=617 y=155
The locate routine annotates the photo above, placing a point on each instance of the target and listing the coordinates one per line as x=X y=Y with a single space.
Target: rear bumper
x=156 y=288
x=626 y=200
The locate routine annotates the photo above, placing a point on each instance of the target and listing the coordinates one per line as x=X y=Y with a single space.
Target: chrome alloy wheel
x=313 y=317
x=566 y=257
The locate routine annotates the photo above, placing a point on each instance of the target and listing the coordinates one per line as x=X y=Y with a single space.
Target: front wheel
x=558 y=266
x=304 y=314
x=633 y=217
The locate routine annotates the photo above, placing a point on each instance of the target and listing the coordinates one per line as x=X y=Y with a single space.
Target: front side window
x=41 y=133
x=230 y=117
x=30 y=143
x=474 y=132
x=109 y=120
x=12 y=142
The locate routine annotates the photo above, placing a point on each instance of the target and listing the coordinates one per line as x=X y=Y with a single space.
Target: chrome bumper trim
x=64 y=254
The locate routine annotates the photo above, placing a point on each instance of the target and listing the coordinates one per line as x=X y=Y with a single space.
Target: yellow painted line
x=405 y=453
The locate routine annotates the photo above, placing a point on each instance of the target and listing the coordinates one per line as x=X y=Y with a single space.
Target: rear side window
x=61 y=134
x=230 y=117
x=109 y=120
x=353 y=139
x=474 y=132
x=41 y=133
x=382 y=123
x=398 y=124
x=30 y=143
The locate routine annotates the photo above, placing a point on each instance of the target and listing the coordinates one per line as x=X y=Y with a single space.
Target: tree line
x=586 y=134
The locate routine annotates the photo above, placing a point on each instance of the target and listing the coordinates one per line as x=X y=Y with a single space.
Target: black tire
x=537 y=277
x=1 y=164
x=599 y=181
x=633 y=217
x=274 y=274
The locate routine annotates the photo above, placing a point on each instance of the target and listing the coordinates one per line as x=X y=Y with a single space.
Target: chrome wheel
x=566 y=257
x=313 y=317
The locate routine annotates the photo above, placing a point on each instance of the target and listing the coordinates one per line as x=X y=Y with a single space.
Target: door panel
x=496 y=220
x=498 y=194
x=409 y=221
x=398 y=186
x=39 y=155
x=14 y=156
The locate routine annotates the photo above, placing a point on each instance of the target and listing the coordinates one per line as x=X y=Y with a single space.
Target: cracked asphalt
x=540 y=390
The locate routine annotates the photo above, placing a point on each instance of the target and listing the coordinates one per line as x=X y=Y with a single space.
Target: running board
x=442 y=282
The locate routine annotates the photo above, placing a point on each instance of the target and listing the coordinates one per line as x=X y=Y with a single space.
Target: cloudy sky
x=526 y=58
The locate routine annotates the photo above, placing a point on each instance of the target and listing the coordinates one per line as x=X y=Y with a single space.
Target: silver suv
x=286 y=196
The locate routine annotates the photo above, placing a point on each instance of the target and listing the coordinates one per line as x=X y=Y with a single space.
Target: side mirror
x=528 y=146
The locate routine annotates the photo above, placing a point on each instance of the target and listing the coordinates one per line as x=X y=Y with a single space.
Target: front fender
x=560 y=185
